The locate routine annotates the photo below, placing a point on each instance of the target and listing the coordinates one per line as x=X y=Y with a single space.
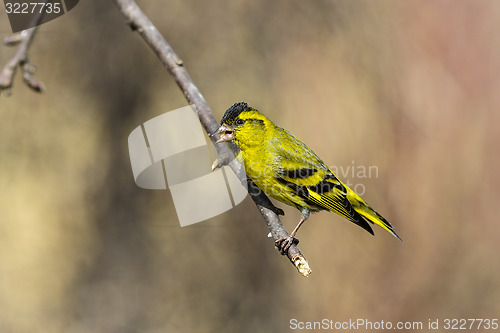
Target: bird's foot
x=283 y=244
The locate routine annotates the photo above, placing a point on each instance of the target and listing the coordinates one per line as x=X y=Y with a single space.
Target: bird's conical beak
x=226 y=133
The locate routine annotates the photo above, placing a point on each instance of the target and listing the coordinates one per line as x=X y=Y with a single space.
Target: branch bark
x=139 y=22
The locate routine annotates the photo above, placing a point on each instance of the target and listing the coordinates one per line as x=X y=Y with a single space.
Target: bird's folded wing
x=327 y=193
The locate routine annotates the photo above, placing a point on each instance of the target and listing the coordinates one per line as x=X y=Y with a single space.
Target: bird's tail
x=369 y=213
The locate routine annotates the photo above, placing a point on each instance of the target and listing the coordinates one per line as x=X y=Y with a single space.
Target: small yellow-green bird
x=286 y=169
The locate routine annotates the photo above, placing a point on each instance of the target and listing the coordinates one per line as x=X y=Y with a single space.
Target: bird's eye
x=239 y=122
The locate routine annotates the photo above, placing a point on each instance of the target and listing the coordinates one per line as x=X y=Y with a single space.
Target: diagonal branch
x=139 y=22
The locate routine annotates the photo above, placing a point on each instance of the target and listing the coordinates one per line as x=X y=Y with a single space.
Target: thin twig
x=24 y=39
x=139 y=22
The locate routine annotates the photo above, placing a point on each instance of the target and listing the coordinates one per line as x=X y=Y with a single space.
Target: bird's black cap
x=233 y=111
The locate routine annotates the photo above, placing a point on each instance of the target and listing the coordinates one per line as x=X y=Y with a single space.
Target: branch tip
x=302 y=265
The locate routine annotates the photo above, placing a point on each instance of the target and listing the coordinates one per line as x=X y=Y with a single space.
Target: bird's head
x=243 y=125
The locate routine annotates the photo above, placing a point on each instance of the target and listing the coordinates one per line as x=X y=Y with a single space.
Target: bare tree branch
x=24 y=39
x=139 y=22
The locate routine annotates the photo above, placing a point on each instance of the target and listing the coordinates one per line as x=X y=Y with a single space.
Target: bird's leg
x=283 y=244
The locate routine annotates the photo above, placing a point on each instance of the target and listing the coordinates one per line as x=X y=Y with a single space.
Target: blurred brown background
x=407 y=86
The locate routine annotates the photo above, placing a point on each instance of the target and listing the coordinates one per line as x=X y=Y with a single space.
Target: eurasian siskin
x=286 y=169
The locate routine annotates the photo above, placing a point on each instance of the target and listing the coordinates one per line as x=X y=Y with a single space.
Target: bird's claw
x=283 y=244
